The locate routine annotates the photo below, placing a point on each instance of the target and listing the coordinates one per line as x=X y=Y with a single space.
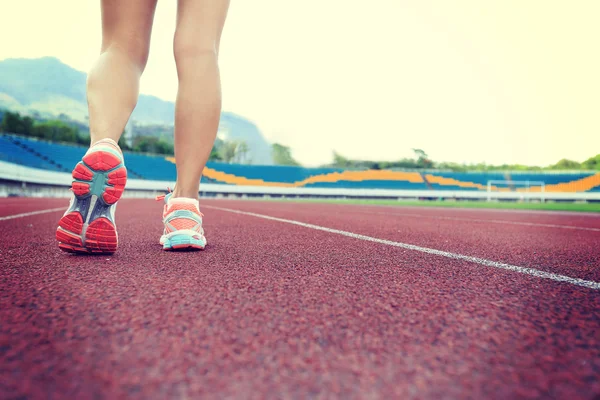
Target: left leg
x=88 y=226
x=113 y=82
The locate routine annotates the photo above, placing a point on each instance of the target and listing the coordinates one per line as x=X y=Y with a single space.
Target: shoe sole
x=88 y=227
x=183 y=243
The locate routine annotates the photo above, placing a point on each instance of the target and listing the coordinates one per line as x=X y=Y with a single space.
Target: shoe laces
x=161 y=197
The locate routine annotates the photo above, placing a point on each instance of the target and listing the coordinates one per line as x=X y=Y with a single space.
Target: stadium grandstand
x=149 y=172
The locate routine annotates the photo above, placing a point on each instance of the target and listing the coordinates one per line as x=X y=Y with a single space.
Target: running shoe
x=88 y=225
x=183 y=224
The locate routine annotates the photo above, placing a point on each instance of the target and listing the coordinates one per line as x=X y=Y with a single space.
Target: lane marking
x=477 y=260
x=534 y=211
x=494 y=221
x=28 y=214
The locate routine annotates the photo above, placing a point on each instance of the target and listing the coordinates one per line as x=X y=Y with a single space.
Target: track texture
x=274 y=310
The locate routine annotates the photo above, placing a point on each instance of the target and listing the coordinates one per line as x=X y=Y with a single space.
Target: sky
x=466 y=80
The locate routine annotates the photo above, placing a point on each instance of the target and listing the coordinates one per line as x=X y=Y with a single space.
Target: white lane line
x=493 y=221
x=590 y=214
x=481 y=261
x=28 y=214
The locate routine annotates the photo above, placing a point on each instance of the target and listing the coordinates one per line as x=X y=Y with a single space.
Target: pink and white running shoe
x=88 y=225
x=183 y=224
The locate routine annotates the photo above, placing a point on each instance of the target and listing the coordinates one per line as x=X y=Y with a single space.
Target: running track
x=304 y=300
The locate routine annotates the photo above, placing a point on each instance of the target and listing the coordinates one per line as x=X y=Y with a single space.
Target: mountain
x=44 y=85
x=49 y=87
x=234 y=127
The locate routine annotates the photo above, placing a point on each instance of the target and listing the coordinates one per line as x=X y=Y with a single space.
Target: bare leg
x=113 y=82
x=198 y=106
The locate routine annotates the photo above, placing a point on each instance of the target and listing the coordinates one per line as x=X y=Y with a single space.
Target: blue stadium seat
x=437 y=186
x=548 y=178
x=62 y=157
x=11 y=152
x=150 y=167
x=66 y=156
x=397 y=185
x=481 y=178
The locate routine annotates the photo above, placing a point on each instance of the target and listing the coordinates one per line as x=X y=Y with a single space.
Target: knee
x=185 y=50
x=132 y=45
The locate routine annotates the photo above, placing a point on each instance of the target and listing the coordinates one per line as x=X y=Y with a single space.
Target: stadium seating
x=367 y=184
x=61 y=157
x=149 y=167
x=64 y=156
x=11 y=151
x=548 y=178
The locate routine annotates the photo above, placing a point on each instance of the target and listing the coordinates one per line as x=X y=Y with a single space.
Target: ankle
x=189 y=194
x=106 y=142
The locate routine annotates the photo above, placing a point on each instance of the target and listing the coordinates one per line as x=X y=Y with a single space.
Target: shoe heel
x=100 y=173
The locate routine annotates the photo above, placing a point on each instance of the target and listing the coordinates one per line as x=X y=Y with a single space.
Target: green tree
x=14 y=123
x=282 y=155
x=150 y=144
x=242 y=153
x=227 y=150
x=423 y=160
x=123 y=143
x=592 y=163
x=340 y=161
x=162 y=147
x=83 y=140
x=27 y=125
x=214 y=155
x=452 y=166
x=57 y=131
x=566 y=164
x=404 y=163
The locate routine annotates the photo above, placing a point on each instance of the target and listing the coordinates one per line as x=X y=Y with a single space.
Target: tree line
x=61 y=130
x=422 y=161
x=54 y=130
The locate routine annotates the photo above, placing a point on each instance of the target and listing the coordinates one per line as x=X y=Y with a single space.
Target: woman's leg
x=198 y=106
x=113 y=82
x=88 y=225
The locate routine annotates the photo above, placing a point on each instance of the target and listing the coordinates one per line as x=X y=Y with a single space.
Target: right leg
x=197 y=113
x=198 y=106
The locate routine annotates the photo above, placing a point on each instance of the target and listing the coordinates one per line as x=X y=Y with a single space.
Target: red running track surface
x=276 y=310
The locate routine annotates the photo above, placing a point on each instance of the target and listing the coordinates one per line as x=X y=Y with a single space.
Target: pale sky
x=465 y=80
